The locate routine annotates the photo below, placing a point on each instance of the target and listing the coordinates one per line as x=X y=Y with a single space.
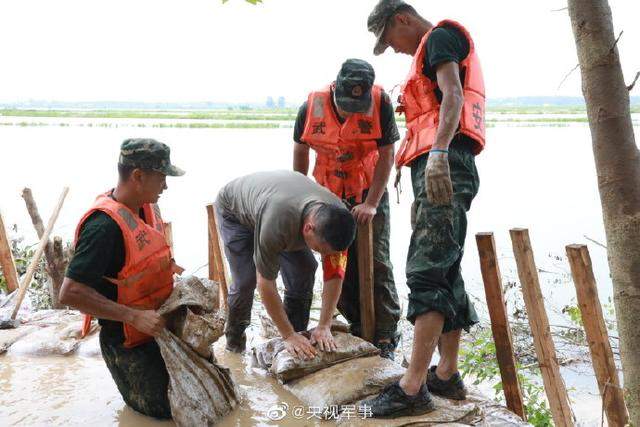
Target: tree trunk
x=618 y=167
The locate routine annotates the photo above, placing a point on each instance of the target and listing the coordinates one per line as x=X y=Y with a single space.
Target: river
x=538 y=177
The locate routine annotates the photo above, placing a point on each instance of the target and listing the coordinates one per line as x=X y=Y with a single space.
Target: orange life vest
x=422 y=108
x=346 y=153
x=146 y=279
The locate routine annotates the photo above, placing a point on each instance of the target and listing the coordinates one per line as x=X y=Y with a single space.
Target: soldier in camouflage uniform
x=353 y=105
x=443 y=100
x=100 y=255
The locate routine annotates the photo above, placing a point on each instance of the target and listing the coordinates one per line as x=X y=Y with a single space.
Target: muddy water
x=76 y=390
x=539 y=177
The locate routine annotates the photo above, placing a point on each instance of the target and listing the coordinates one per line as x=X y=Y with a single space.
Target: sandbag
x=200 y=392
x=273 y=356
x=346 y=382
x=58 y=339
x=447 y=412
x=200 y=331
x=8 y=337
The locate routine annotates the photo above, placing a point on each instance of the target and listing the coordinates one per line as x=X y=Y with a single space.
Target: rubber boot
x=297 y=310
x=234 y=331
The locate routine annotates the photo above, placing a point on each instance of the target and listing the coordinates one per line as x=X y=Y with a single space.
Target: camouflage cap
x=145 y=153
x=378 y=19
x=353 y=86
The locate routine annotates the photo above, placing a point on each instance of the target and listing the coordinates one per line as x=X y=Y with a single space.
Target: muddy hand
x=299 y=346
x=363 y=213
x=438 y=179
x=323 y=338
x=148 y=322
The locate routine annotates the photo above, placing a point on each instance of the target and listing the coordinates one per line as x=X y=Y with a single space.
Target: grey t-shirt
x=274 y=205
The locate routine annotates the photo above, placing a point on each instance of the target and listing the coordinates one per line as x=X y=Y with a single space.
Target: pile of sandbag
x=331 y=378
x=201 y=392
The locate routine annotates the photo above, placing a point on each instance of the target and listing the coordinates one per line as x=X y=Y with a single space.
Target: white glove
x=438 y=179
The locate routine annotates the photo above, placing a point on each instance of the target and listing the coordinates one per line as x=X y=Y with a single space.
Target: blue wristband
x=439 y=151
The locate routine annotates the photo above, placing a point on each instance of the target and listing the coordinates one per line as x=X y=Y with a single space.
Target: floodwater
x=539 y=177
x=79 y=391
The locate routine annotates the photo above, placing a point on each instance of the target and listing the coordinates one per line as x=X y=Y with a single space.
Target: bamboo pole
x=365 y=272
x=216 y=260
x=539 y=323
x=500 y=322
x=597 y=336
x=26 y=280
x=7 y=263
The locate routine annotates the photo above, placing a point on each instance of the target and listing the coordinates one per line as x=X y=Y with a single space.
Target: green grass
x=263 y=118
x=267 y=115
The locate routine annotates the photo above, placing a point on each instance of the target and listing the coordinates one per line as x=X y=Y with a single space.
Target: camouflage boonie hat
x=145 y=153
x=353 y=86
x=378 y=19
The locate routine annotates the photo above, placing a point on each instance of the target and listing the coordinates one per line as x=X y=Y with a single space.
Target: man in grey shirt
x=270 y=222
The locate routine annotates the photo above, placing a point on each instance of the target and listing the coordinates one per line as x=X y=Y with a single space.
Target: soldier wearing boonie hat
x=443 y=101
x=350 y=124
x=122 y=271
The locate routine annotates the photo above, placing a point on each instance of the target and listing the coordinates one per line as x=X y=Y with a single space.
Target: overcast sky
x=201 y=50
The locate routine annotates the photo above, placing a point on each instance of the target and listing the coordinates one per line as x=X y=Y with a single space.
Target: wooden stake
x=26 y=280
x=597 y=336
x=365 y=271
x=7 y=263
x=500 y=322
x=216 y=259
x=545 y=349
x=168 y=235
x=56 y=263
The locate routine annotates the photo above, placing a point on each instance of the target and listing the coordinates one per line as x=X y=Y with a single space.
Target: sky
x=202 y=50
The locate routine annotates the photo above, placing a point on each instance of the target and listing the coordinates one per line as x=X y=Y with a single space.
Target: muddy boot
x=393 y=402
x=453 y=388
x=234 y=332
x=388 y=347
x=297 y=310
x=236 y=342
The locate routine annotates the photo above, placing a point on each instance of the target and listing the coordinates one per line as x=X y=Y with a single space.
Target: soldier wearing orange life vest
x=350 y=125
x=122 y=271
x=443 y=100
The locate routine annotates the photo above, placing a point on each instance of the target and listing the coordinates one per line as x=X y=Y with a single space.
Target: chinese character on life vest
x=365 y=126
x=319 y=128
x=141 y=239
x=478 y=116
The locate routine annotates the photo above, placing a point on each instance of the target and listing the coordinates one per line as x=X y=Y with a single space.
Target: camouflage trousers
x=386 y=304
x=140 y=375
x=437 y=244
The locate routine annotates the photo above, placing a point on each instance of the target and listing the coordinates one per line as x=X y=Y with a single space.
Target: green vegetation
x=245 y=118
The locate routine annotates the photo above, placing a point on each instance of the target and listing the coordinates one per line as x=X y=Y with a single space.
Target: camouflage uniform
x=139 y=372
x=437 y=243
x=386 y=304
x=140 y=375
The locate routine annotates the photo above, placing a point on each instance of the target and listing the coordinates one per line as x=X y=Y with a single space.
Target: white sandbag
x=60 y=339
x=345 y=382
x=8 y=337
x=447 y=412
x=273 y=356
x=200 y=331
x=201 y=392
x=90 y=346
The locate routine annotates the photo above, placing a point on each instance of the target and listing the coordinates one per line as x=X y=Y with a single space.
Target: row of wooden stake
x=592 y=317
